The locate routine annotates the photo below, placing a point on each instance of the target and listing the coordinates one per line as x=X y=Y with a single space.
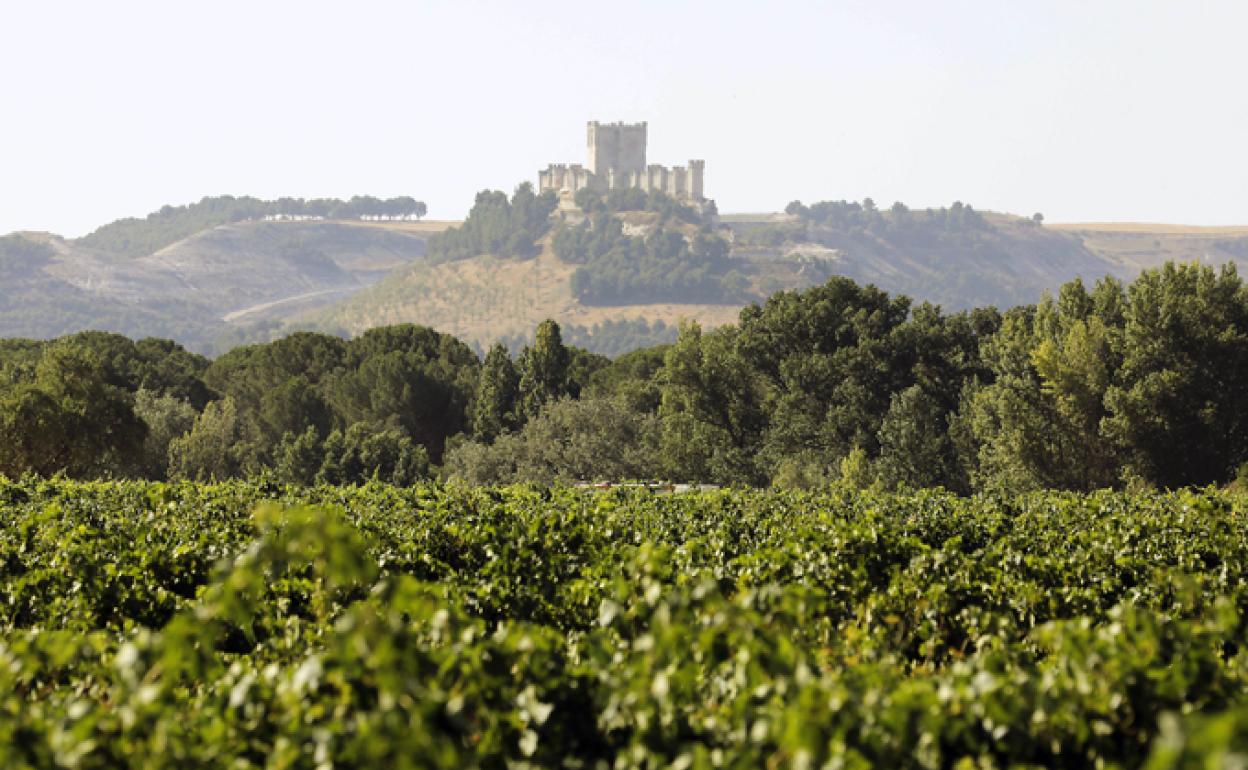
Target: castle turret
x=696 y=167
x=617 y=160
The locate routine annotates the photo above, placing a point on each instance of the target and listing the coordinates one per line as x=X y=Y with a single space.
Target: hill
x=198 y=288
x=230 y=270
x=956 y=257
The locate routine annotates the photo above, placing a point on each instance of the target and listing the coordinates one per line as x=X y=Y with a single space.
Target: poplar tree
x=493 y=409
x=543 y=369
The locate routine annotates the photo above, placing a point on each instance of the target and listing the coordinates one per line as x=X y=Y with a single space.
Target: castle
x=617 y=159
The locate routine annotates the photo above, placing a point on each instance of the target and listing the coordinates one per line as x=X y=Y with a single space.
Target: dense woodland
x=1111 y=385
x=495 y=225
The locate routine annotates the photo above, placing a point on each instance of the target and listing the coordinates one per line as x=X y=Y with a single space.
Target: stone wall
x=618 y=147
x=617 y=159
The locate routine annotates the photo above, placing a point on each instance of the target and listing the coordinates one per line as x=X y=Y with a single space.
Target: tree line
x=1113 y=385
x=497 y=226
x=135 y=237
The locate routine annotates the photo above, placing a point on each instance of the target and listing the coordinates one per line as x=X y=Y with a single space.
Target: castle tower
x=618 y=147
x=617 y=160
x=696 y=167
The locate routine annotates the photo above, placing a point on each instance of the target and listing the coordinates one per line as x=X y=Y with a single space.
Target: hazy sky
x=1081 y=110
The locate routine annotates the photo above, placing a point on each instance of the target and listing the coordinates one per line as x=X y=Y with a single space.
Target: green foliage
x=586 y=439
x=850 y=215
x=1179 y=402
x=632 y=377
x=634 y=199
x=497 y=226
x=215 y=448
x=498 y=387
x=711 y=411
x=406 y=377
x=365 y=452
x=1119 y=386
x=915 y=448
x=65 y=416
x=804 y=378
x=167 y=418
x=163 y=625
x=664 y=266
x=544 y=370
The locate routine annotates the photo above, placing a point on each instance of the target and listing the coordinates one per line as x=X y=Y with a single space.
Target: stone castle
x=617 y=160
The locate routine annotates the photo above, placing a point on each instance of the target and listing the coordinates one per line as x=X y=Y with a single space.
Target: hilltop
x=195 y=273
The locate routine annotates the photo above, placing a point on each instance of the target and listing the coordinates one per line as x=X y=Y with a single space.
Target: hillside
x=196 y=288
x=624 y=276
x=1136 y=246
x=955 y=257
x=486 y=298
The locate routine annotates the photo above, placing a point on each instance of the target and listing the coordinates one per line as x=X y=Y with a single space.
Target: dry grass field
x=482 y=299
x=424 y=226
x=1150 y=228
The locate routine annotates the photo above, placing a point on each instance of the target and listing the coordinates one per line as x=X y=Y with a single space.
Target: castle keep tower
x=617 y=160
x=618 y=148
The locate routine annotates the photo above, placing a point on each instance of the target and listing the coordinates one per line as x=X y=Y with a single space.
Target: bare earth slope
x=1014 y=261
x=192 y=289
x=350 y=276
x=486 y=298
x=1135 y=246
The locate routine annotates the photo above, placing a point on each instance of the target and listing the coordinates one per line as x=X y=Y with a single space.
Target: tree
x=365 y=452
x=1039 y=423
x=213 y=450
x=711 y=409
x=407 y=377
x=827 y=360
x=166 y=418
x=590 y=439
x=493 y=408
x=299 y=458
x=33 y=435
x=1179 y=406
x=543 y=370
x=796 y=209
x=69 y=418
x=915 y=448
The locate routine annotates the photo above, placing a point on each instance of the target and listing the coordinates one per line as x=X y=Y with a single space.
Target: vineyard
x=253 y=625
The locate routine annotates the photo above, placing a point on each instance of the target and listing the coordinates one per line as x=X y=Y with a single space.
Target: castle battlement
x=617 y=160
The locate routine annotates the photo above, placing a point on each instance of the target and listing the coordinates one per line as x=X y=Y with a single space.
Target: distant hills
x=202 y=290
x=229 y=270
x=956 y=257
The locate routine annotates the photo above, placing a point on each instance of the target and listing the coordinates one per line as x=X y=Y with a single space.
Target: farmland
x=249 y=624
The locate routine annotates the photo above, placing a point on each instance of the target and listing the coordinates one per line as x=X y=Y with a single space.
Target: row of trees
x=1112 y=386
x=309 y=407
x=134 y=237
x=850 y=215
x=1116 y=385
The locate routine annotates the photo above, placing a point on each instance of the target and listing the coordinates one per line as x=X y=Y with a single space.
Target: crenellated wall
x=618 y=147
x=617 y=160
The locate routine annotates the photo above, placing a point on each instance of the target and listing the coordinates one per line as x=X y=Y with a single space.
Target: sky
x=1083 y=111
